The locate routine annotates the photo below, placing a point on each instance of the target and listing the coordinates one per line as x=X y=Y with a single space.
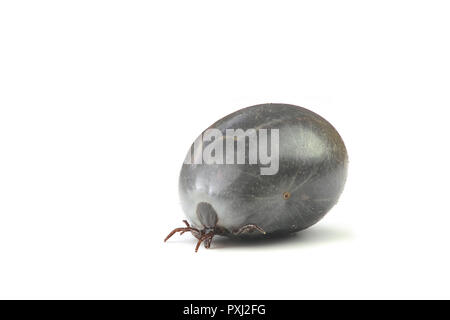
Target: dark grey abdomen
x=311 y=176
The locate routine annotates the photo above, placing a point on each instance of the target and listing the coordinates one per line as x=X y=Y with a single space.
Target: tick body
x=237 y=198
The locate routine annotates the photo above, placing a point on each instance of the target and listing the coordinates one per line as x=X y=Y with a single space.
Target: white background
x=100 y=100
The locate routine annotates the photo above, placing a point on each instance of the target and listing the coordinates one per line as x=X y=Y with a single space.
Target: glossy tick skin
x=235 y=200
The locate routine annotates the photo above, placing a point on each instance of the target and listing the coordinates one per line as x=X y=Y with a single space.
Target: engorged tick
x=237 y=200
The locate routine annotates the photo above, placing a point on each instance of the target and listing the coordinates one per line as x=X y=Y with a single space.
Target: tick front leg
x=187 y=224
x=207 y=238
x=195 y=232
x=248 y=228
x=202 y=235
x=182 y=230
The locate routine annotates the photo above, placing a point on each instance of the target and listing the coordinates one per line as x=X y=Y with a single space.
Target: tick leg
x=207 y=238
x=188 y=225
x=195 y=232
x=249 y=227
x=208 y=241
x=182 y=230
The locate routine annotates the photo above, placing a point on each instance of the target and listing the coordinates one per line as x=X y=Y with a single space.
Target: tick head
x=207 y=215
